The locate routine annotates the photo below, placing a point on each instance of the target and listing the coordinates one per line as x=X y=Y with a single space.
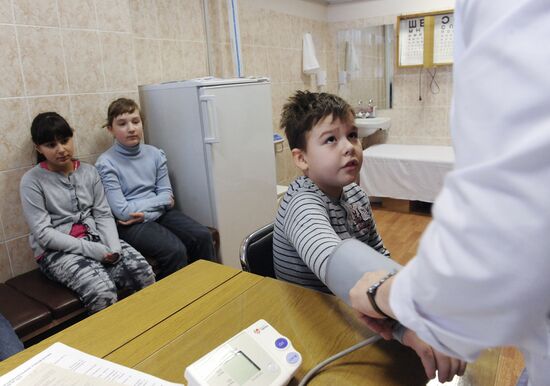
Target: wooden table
x=164 y=328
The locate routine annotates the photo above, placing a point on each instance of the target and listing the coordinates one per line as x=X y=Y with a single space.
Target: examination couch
x=38 y=307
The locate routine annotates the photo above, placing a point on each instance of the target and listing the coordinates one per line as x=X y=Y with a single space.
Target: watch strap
x=371 y=293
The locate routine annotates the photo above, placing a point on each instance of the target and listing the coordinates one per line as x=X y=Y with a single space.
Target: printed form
x=61 y=365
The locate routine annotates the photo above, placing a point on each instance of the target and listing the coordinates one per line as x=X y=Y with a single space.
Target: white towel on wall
x=310 y=65
x=352 y=61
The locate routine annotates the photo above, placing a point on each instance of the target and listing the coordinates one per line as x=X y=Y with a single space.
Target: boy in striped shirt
x=325 y=205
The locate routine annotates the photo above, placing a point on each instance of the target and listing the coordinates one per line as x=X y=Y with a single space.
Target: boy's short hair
x=121 y=106
x=305 y=109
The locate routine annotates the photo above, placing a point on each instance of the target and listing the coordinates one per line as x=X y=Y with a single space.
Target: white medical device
x=257 y=356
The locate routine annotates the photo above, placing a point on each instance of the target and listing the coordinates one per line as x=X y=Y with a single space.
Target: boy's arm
x=40 y=224
x=163 y=188
x=375 y=240
x=153 y=208
x=103 y=218
x=117 y=201
x=152 y=215
x=307 y=226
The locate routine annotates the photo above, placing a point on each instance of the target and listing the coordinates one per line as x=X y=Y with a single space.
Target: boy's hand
x=111 y=258
x=172 y=203
x=432 y=360
x=136 y=217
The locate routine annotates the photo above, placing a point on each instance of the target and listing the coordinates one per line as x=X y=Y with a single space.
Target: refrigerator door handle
x=210 y=119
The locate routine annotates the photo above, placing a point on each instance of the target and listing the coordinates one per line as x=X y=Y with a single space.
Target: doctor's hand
x=358 y=295
x=383 y=327
x=432 y=360
x=135 y=218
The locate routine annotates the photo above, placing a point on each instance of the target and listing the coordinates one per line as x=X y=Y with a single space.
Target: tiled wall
x=414 y=121
x=74 y=57
x=272 y=46
x=425 y=121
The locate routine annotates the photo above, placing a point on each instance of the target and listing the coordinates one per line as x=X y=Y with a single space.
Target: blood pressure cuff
x=349 y=261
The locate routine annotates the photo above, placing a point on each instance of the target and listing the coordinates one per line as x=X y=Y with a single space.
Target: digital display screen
x=240 y=368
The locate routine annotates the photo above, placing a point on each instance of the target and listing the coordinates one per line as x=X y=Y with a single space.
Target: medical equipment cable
x=311 y=373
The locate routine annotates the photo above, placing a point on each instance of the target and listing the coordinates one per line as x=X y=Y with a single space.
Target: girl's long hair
x=49 y=127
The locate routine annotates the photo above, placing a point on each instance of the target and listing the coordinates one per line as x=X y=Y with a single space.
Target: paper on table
x=61 y=365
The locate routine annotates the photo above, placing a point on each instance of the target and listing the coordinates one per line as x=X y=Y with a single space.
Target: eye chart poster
x=411 y=42
x=443 y=38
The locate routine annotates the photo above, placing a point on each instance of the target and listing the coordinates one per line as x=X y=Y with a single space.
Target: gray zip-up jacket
x=52 y=203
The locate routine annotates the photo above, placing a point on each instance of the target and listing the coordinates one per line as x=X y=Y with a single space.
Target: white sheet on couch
x=407 y=172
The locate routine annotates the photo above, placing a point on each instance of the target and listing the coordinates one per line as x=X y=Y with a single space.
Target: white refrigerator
x=218 y=138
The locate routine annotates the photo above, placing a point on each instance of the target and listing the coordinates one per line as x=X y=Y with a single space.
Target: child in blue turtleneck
x=137 y=186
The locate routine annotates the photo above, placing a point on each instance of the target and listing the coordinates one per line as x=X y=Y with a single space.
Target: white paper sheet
x=61 y=365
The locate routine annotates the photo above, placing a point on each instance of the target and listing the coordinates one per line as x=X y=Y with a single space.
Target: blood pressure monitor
x=257 y=356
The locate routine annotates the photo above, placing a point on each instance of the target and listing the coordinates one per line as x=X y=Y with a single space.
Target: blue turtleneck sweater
x=135 y=180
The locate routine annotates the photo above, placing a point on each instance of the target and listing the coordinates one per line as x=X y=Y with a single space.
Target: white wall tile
x=11 y=81
x=42 y=59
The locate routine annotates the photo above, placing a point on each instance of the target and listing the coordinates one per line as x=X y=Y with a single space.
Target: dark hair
x=305 y=109
x=49 y=127
x=119 y=107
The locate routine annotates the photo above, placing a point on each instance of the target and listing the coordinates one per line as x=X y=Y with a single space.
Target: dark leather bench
x=38 y=307
x=25 y=314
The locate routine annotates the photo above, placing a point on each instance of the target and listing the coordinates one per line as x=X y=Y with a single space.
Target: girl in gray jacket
x=73 y=233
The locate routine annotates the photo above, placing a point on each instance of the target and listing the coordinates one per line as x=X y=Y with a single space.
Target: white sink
x=368 y=126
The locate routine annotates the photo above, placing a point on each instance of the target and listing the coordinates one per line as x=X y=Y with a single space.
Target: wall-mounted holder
x=278 y=143
x=321 y=78
x=342 y=77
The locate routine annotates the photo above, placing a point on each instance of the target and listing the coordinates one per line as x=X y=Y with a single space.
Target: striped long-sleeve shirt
x=309 y=225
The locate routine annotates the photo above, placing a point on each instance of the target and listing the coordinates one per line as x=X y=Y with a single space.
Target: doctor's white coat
x=481 y=277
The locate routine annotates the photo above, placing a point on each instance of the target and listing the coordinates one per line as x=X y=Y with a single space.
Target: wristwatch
x=371 y=293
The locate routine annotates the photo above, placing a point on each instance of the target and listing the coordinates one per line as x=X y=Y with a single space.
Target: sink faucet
x=360 y=111
x=371 y=109
x=365 y=112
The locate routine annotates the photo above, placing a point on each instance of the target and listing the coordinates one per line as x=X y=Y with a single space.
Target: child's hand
x=111 y=258
x=447 y=367
x=172 y=202
x=136 y=217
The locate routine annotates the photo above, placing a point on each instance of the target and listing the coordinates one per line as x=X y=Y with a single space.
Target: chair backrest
x=257 y=252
